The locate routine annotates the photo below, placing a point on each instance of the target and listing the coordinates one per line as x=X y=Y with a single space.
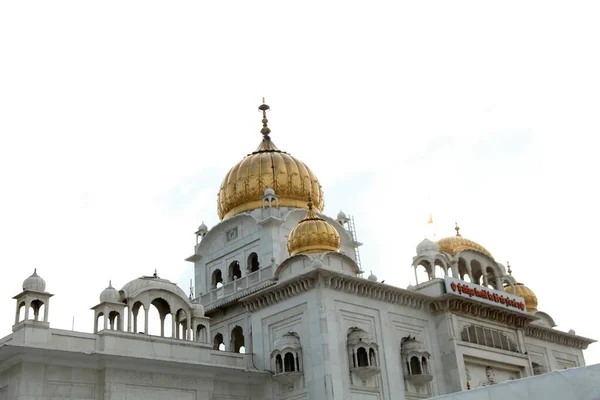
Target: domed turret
x=427 y=246
x=34 y=283
x=454 y=244
x=313 y=235
x=372 y=277
x=110 y=294
x=523 y=291
x=268 y=167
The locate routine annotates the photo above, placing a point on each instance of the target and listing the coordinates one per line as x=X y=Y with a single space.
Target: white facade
x=264 y=325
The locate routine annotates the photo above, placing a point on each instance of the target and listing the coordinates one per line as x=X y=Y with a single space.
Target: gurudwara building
x=282 y=310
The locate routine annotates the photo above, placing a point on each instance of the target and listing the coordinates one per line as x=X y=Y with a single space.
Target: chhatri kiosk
x=281 y=310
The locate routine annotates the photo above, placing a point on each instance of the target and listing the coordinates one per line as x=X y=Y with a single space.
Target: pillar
x=46 y=308
x=27 y=305
x=146 y=311
x=189 y=335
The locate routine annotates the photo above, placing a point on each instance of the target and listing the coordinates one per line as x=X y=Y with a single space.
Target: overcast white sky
x=118 y=121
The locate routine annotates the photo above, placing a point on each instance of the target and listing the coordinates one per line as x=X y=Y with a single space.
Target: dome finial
x=509 y=270
x=264 y=108
x=457 y=229
x=310 y=203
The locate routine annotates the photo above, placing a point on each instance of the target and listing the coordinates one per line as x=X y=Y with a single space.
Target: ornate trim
x=277 y=293
x=375 y=290
x=556 y=336
x=234 y=297
x=461 y=305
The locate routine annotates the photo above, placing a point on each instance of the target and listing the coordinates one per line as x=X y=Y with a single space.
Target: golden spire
x=430 y=218
x=457 y=229
x=264 y=108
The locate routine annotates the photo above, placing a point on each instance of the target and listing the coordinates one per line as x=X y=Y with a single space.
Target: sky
x=118 y=121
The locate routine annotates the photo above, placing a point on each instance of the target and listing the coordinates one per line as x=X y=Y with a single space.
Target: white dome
x=288 y=340
x=372 y=277
x=341 y=216
x=427 y=246
x=269 y=192
x=197 y=310
x=145 y=283
x=34 y=283
x=110 y=294
x=202 y=227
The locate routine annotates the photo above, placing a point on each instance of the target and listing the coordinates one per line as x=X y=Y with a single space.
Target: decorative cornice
x=465 y=306
x=277 y=293
x=559 y=337
x=234 y=297
x=374 y=290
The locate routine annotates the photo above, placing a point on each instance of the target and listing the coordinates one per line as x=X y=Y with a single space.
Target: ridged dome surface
x=523 y=291
x=454 y=244
x=34 y=283
x=427 y=246
x=313 y=235
x=244 y=185
x=110 y=294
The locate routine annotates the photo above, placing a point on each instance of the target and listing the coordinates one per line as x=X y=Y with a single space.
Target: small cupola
x=313 y=234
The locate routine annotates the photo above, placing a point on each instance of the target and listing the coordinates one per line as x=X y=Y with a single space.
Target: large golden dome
x=313 y=235
x=268 y=167
x=523 y=291
x=454 y=244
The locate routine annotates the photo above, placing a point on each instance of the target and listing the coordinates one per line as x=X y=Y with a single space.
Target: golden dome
x=454 y=244
x=523 y=291
x=313 y=235
x=267 y=167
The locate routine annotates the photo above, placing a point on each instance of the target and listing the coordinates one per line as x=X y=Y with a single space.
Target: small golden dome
x=313 y=235
x=454 y=244
x=523 y=291
x=267 y=167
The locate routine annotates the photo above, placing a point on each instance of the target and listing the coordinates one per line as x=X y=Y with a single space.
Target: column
x=128 y=308
x=46 y=310
x=174 y=326
x=27 y=305
x=146 y=311
x=190 y=334
x=17 y=313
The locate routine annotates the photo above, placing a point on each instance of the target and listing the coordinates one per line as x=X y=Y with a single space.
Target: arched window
x=463 y=271
x=201 y=333
x=289 y=363
x=139 y=322
x=237 y=339
x=114 y=320
x=160 y=313
x=278 y=364
x=218 y=341
x=423 y=272
x=99 y=322
x=424 y=365
x=362 y=357
x=235 y=272
x=253 y=262
x=415 y=366
x=216 y=278
x=22 y=311
x=36 y=307
x=372 y=357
